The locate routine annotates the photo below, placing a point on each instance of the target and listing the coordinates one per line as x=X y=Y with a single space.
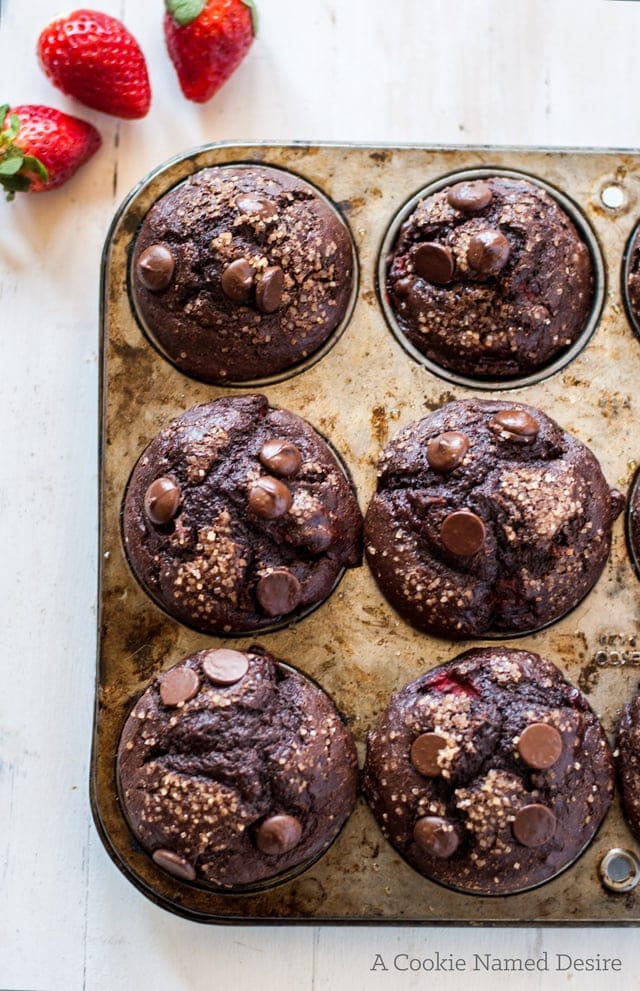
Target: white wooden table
x=511 y=72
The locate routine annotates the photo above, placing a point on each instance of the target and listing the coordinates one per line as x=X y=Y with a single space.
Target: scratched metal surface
x=359 y=394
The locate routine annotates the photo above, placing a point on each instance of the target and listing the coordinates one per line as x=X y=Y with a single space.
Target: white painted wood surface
x=526 y=72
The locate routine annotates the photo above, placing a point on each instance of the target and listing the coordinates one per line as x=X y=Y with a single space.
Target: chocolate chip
x=424 y=754
x=161 y=500
x=534 y=825
x=436 y=836
x=488 y=252
x=174 y=864
x=470 y=196
x=434 y=262
x=279 y=592
x=256 y=206
x=278 y=835
x=155 y=267
x=516 y=425
x=317 y=533
x=178 y=685
x=225 y=667
x=462 y=532
x=403 y=287
x=539 y=314
x=540 y=746
x=446 y=451
x=281 y=456
x=269 y=498
x=237 y=280
x=269 y=290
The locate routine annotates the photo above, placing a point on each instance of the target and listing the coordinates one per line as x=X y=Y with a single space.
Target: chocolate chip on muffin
x=233 y=769
x=489 y=278
x=242 y=272
x=238 y=516
x=489 y=774
x=488 y=517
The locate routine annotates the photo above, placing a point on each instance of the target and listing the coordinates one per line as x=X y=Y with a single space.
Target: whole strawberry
x=207 y=40
x=40 y=147
x=92 y=57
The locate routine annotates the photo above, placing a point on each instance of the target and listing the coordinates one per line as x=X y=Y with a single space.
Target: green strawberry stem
x=185 y=12
x=16 y=166
x=253 y=10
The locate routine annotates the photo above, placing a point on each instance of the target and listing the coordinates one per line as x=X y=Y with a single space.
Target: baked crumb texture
x=628 y=763
x=522 y=779
x=240 y=273
x=238 y=517
x=233 y=770
x=488 y=517
x=490 y=279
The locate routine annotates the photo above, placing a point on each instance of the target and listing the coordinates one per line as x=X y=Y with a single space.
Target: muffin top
x=628 y=761
x=238 y=517
x=241 y=272
x=490 y=773
x=633 y=279
x=489 y=278
x=488 y=517
x=234 y=769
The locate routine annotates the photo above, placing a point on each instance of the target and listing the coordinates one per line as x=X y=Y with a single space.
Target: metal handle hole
x=620 y=870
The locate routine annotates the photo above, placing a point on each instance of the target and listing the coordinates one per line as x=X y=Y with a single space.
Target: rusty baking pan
x=364 y=388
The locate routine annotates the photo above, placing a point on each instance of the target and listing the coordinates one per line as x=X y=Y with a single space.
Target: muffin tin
x=363 y=390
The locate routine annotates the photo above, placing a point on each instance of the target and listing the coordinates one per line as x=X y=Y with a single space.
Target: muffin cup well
x=343 y=543
x=632 y=248
x=563 y=358
x=297 y=365
x=341 y=768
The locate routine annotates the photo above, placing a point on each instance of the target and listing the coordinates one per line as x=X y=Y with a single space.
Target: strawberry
x=92 y=57
x=207 y=40
x=40 y=147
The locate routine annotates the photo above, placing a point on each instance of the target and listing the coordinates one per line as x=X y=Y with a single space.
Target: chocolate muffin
x=242 y=272
x=631 y=287
x=489 y=278
x=238 y=517
x=628 y=761
x=234 y=769
x=633 y=523
x=488 y=518
x=489 y=774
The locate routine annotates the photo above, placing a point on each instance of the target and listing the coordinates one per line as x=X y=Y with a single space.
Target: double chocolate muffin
x=238 y=517
x=488 y=517
x=633 y=523
x=233 y=769
x=489 y=278
x=628 y=761
x=631 y=287
x=242 y=272
x=489 y=774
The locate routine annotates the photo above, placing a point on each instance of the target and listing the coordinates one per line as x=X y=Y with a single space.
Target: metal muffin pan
x=361 y=392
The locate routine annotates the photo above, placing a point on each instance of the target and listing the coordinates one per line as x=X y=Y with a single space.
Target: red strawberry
x=207 y=40
x=40 y=147
x=93 y=57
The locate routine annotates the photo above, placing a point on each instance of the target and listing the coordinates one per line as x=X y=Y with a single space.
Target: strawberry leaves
x=17 y=168
x=184 y=12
